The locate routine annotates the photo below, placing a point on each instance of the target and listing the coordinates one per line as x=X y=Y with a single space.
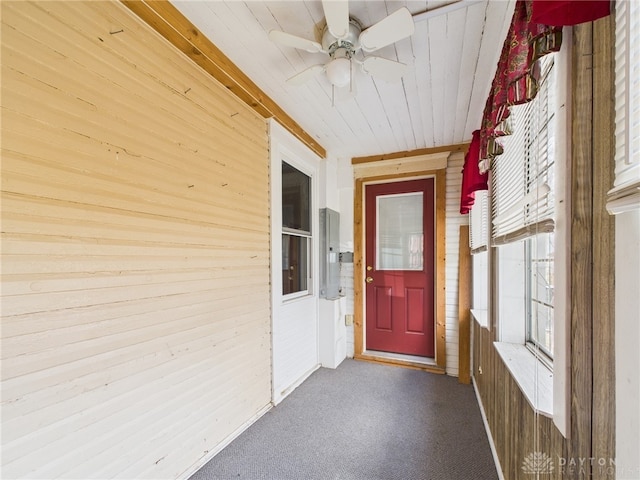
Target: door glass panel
x=296 y=199
x=399 y=234
x=294 y=263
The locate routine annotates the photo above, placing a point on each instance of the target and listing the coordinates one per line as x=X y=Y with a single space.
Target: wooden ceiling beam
x=460 y=147
x=165 y=19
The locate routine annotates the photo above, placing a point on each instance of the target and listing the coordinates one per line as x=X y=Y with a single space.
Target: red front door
x=399 y=267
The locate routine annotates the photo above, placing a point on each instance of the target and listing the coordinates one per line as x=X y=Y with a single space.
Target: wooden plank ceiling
x=439 y=102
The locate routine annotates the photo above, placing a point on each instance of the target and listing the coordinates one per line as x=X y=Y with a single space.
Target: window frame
x=522 y=210
x=532 y=341
x=624 y=195
x=548 y=393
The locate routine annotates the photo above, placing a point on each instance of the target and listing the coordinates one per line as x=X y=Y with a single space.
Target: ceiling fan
x=343 y=37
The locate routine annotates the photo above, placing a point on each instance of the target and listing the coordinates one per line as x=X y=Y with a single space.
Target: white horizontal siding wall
x=135 y=220
x=453 y=222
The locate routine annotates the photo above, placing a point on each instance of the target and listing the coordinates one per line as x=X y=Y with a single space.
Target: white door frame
x=294 y=333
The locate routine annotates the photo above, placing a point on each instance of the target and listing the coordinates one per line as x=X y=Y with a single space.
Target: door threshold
x=401 y=356
x=400 y=359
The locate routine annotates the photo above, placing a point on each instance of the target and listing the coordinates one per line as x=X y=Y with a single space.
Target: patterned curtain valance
x=536 y=30
x=517 y=76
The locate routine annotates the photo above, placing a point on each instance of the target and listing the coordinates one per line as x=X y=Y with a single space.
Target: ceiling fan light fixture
x=339 y=71
x=343 y=37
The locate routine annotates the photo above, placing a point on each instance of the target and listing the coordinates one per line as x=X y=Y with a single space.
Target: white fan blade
x=395 y=27
x=305 y=75
x=289 y=40
x=384 y=69
x=336 y=12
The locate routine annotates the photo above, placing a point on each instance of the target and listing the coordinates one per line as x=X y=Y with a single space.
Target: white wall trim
x=481 y=317
x=285 y=393
x=627 y=338
x=562 y=236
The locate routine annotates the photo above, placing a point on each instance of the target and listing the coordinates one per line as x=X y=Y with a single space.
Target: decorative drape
x=569 y=12
x=536 y=30
x=472 y=179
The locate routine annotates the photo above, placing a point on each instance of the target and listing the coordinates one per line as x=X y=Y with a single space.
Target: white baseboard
x=492 y=445
x=287 y=391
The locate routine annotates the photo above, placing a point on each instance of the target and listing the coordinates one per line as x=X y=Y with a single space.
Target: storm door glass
x=296 y=230
x=399 y=232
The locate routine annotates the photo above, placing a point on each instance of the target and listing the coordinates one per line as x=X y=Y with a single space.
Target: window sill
x=532 y=376
x=624 y=198
x=481 y=317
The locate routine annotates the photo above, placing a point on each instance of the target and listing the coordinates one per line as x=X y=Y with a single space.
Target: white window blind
x=522 y=178
x=479 y=222
x=627 y=97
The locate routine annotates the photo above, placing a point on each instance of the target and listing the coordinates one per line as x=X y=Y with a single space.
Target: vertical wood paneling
x=464 y=305
x=516 y=430
x=603 y=414
x=441 y=264
x=581 y=336
x=358 y=267
x=135 y=217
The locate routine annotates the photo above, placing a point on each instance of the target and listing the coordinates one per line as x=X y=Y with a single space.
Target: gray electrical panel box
x=329 y=254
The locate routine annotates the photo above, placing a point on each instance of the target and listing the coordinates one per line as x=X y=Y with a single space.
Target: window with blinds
x=626 y=192
x=479 y=222
x=522 y=216
x=522 y=200
x=479 y=243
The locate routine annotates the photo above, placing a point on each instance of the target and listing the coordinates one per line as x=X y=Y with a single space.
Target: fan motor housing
x=350 y=43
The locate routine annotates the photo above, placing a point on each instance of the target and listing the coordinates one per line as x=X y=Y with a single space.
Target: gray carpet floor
x=364 y=421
